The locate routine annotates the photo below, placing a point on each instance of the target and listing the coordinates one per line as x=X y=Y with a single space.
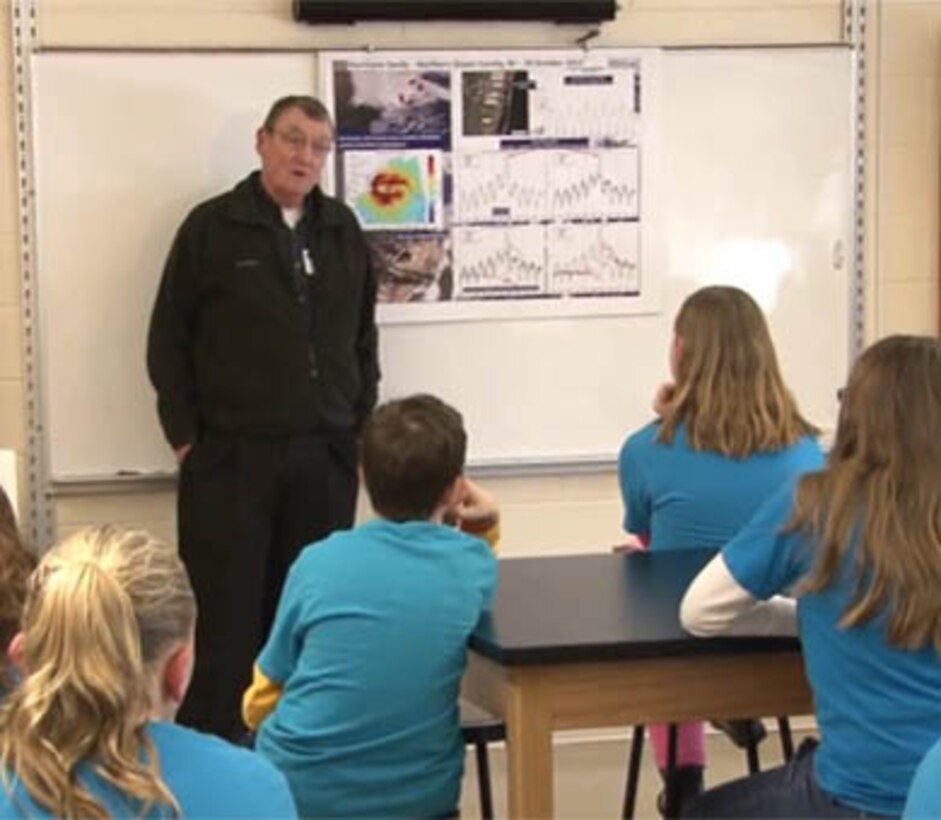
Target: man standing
x=262 y=350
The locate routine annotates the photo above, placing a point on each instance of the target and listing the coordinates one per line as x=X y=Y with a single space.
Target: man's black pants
x=246 y=507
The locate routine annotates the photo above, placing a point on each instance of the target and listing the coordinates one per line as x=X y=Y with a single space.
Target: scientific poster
x=498 y=185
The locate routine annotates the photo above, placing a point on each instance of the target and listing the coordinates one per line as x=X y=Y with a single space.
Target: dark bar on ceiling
x=351 y=11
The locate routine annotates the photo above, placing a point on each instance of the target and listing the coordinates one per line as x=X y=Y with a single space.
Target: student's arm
x=280 y=654
x=259 y=699
x=716 y=604
x=737 y=592
x=634 y=493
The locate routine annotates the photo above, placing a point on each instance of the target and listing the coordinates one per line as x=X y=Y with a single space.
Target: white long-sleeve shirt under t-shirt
x=716 y=604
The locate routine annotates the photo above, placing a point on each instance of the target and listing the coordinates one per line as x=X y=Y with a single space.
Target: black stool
x=637 y=750
x=479 y=728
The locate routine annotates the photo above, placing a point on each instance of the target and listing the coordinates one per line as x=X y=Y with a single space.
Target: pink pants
x=689 y=744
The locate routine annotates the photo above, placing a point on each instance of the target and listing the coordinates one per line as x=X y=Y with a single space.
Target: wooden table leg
x=529 y=748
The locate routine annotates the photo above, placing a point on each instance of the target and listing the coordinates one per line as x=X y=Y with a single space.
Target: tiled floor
x=590 y=774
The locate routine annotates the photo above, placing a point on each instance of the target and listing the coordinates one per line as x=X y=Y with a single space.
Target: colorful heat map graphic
x=394 y=189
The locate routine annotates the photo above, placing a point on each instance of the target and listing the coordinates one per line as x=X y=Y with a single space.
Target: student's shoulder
x=173 y=739
x=339 y=554
x=642 y=439
x=809 y=450
x=194 y=764
x=643 y=444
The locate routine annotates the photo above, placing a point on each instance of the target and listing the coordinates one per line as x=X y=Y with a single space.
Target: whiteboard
x=754 y=188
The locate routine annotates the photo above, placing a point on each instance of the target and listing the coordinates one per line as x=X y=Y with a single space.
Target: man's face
x=293 y=154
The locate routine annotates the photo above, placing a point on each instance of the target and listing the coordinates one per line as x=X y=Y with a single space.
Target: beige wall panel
x=268 y=24
x=153 y=511
x=259 y=24
x=10 y=348
x=543 y=528
x=911 y=111
x=9 y=268
x=910 y=307
x=79 y=509
x=908 y=182
x=908 y=249
x=12 y=415
x=9 y=212
x=719 y=7
x=788 y=23
x=5 y=33
x=911 y=37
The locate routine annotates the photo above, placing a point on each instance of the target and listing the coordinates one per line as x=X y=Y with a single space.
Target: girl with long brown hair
x=728 y=434
x=860 y=541
x=16 y=563
x=105 y=655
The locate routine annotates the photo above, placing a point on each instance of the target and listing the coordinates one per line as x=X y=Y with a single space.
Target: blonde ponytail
x=100 y=608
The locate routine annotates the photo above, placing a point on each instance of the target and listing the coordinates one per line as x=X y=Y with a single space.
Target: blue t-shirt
x=208 y=777
x=878 y=707
x=682 y=498
x=924 y=797
x=369 y=645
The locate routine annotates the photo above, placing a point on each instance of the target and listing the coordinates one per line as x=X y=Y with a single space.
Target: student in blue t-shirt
x=356 y=691
x=105 y=656
x=924 y=797
x=860 y=542
x=729 y=434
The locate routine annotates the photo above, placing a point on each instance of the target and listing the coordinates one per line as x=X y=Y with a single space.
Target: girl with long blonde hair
x=728 y=435
x=105 y=655
x=860 y=541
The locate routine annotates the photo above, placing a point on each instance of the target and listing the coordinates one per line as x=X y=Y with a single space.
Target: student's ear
x=456 y=492
x=451 y=498
x=15 y=652
x=177 y=672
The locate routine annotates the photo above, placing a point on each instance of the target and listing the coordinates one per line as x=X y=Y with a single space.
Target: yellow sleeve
x=488 y=530
x=259 y=699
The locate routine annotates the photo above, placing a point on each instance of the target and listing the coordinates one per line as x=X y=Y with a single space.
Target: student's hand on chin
x=476 y=506
x=664 y=398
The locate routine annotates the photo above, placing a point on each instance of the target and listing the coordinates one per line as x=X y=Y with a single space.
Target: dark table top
x=599 y=607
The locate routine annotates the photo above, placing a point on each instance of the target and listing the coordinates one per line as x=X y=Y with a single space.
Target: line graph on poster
x=501 y=186
x=594 y=260
x=566 y=104
x=594 y=184
x=495 y=262
x=532 y=185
